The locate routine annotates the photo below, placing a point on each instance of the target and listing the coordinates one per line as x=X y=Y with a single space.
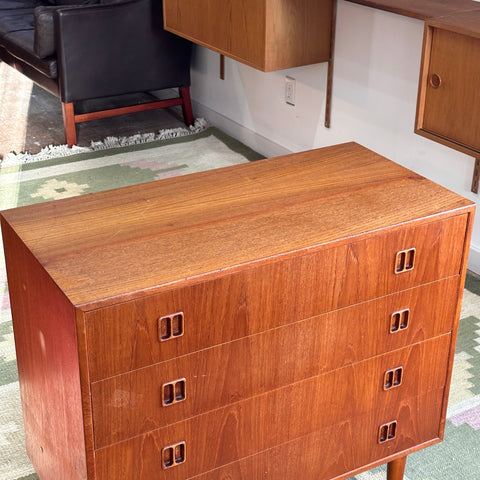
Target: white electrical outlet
x=290 y=85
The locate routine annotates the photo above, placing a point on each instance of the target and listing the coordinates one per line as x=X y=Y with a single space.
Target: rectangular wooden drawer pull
x=399 y=320
x=405 y=260
x=173 y=455
x=171 y=326
x=174 y=392
x=387 y=432
x=393 y=378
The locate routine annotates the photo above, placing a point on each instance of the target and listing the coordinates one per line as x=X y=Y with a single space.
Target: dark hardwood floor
x=31 y=118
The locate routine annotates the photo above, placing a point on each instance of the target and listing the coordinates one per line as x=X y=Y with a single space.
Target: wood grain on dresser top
x=144 y=239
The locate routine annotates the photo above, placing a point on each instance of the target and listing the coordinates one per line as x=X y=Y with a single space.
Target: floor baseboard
x=250 y=138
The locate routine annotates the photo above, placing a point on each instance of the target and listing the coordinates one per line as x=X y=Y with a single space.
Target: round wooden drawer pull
x=435 y=80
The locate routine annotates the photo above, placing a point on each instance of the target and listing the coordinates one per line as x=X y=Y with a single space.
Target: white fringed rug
x=51 y=175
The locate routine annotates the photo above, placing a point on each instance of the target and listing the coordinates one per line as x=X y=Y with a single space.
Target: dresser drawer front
x=245 y=428
x=346 y=392
x=329 y=452
x=126 y=337
x=338 y=449
x=130 y=404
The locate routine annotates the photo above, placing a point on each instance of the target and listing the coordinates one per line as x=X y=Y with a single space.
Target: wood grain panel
x=131 y=404
x=465 y=23
x=230 y=27
x=269 y=296
x=422 y=10
x=318 y=457
x=450 y=109
x=265 y=34
x=306 y=201
x=48 y=367
x=297 y=33
x=250 y=426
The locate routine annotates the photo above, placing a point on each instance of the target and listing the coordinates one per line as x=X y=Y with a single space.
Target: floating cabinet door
x=449 y=96
x=265 y=34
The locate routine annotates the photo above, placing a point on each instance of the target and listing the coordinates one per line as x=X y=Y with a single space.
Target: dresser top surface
x=120 y=244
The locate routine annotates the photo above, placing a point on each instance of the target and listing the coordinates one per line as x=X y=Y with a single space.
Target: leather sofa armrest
x=118 y=48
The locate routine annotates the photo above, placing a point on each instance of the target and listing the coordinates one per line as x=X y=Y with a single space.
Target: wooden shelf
x=422 y=10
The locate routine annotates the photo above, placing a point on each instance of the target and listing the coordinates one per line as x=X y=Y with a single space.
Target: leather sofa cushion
x=18 y=4
x=44 y=37
x=17 y=34
x=45 y=28
x=15 y=20
x=73 y=2
x=20 y=45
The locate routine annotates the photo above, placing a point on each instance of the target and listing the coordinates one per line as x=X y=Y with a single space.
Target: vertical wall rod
x=476 y=176
x=328 y=100
x=222 y=67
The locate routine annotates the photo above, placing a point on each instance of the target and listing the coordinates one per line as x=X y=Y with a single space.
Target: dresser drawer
x=129 y=336
x=250 y=426
x=336 y=388
x=318 y=456
x=143 y=400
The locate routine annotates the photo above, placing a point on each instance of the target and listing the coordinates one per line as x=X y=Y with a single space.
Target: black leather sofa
x=86 y=49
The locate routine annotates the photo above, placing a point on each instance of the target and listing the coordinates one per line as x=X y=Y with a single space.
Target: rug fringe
x=55 y=151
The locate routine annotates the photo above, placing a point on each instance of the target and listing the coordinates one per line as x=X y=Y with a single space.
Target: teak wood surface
x=143 y=239
x=449 y=98
x=212 y=380
x=257 y=299
x=421 y=9
x=265 y=34
x=287 y=274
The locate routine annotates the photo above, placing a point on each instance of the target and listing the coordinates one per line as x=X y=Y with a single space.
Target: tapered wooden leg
x=396 y=468
x=69 y=123
x=186 y=105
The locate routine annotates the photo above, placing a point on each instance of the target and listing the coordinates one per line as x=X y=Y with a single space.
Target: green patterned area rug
x=457 y=458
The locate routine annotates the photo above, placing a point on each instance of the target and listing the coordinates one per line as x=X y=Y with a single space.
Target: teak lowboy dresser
x=291 y=318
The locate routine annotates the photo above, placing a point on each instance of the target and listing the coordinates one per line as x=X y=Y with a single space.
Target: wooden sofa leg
x=69 y=123
x=186 y=105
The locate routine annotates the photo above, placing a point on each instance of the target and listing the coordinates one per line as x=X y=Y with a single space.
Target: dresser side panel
x=451 y=355
x=48 y=365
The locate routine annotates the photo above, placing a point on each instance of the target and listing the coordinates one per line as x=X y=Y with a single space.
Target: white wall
x=377 y=64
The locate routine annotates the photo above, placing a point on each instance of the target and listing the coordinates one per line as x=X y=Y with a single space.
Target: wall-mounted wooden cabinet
x=265 y=34
x=449 y=89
